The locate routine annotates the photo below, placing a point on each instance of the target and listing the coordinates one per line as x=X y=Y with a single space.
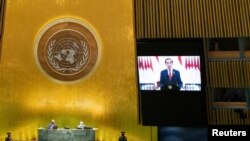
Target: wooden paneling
x=191 y=18
x=229 y=73
x=203 y=19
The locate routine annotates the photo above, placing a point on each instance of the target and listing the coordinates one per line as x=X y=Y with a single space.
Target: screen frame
x=172 y=47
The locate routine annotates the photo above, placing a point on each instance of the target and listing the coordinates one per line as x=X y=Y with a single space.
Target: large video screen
x=169 y=73
x=171 y=82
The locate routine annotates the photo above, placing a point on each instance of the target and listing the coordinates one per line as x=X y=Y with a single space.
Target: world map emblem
x=67 y=49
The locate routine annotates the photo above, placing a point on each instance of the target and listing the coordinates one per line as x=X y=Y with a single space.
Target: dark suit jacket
x=176 y=79
x=123 y=138
x=8 y=139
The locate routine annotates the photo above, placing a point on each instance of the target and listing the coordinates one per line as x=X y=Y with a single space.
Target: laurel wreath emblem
x=77 y=67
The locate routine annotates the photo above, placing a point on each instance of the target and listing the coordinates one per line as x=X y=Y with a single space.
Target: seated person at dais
x=81 y=125
x=52 y=125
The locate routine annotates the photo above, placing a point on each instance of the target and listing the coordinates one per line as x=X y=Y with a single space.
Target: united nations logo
x=67 y=57
x=67 y=49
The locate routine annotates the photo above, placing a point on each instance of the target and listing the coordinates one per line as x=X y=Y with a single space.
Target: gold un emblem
x=67 y=49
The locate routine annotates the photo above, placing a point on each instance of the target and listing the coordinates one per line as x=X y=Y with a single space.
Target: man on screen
x=170 y=78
